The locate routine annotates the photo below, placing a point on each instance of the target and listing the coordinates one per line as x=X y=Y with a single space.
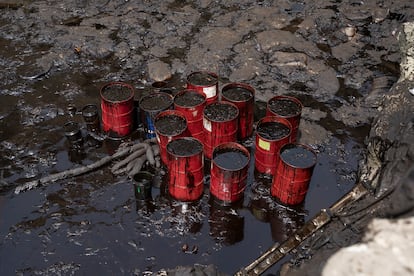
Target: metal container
x=242 y=95
x=150 y=106
x=143 y=185
x=205 y=82
x=185 y=169
x=293 y=173
x=229 y=170
x=191 y=103
x=169 y=125
x=90 y=115
x=286 y=107
x=73 y=132
x=220 y=124
x=271 y=134
x=117 y=104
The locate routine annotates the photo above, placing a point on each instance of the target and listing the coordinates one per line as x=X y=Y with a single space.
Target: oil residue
x=230 y=159
x=297 y=156
x=272 y=130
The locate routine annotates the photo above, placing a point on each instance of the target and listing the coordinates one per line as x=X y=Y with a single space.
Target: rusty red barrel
x=185 y=168
x=242 y=95
x=220 y=123
x=293 y=173
x=205 y=82
x=229 y=169
x=117 y=104
x=191 y=103
x=271 y=134
x=286 y=107
x=150 y=106
x=169 y=125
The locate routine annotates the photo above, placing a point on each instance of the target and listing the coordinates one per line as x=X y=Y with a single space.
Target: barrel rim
x=293 y=99
x=274 y=119
x=224 y=103
x=202 y=72
x=90 y=113
x=166 y=113
x=231 y=145
x=238 y=84
x=191 y=106
x=143 y=173
x=284 y=147
x=130 y=87
x=187 y=155
x=73 y=131
x=169 y=96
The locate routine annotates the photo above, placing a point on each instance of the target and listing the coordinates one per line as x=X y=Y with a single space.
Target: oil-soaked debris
x=186 y=249
x=57 y=268
x=38 y=76
x=197 y=269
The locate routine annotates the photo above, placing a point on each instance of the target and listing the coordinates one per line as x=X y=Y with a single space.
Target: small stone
x=289 y=59
x=159 y=71
x=380 y=14
x=184 y=248
x=350 y=31
x=345 y=51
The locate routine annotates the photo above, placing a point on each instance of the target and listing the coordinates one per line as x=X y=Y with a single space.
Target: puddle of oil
x=92 y=223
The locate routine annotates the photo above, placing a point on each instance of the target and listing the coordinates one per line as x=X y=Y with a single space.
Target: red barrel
x=293 y=173
x=117 y=104
x=169 y=125
x=271 y=134
x=220 y=124
x=205 y=82
x=229 y=169
x=286 y=107
x=191 y=103
x=185 y=168
x=242 y=95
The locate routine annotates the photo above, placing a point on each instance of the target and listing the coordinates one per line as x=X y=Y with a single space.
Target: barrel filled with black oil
x=191 y=103
x=242 y=95
x=117 y=104
x=169 y=125
x=150 y=106
x=185 y=168
x=293 y=173
x=205 y=82
x=229 y=171
x=271 y=134
x=286 y=107
x=220 y=124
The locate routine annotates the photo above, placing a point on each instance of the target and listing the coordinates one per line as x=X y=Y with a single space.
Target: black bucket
x=143 y=185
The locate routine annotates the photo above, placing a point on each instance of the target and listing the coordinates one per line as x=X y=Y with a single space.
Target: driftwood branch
x=131 y=157
x=133 y=153
x=134 y=162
